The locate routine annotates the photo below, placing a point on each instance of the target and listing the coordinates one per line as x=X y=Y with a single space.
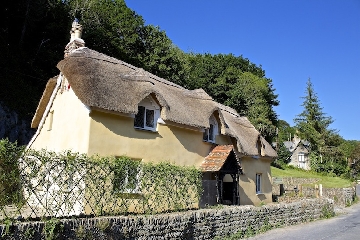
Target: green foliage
x=36 y=32
x=9 y=172
x=53 y=229
x=8 y=223
x=126 y=174
x=313 y=125
x=327 y=212
x=57 y=184
x=285 y=131
x=238 y=83
x=283 y=156
x=352 y=151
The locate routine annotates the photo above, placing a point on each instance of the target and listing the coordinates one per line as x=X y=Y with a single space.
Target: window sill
x=146 y=130
x=260 y=193
x=210 y=142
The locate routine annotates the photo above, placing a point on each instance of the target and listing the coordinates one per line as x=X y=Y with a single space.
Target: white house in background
x=299 y=150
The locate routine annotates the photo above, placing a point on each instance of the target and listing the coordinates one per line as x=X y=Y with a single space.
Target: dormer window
x=211 y=132
x=148 y=114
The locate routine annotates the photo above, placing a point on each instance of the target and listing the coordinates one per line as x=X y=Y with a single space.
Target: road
x=345 y=226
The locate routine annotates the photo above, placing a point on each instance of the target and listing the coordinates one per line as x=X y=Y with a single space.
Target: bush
x=9 y=172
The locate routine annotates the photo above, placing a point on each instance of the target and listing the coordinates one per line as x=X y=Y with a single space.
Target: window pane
x=211 y=132
x=258 y=183
x=205 y=135
x=139 y=118
x=301 y=157
x=150 y=118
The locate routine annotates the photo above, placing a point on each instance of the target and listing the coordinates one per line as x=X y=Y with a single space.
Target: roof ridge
x=136 y=69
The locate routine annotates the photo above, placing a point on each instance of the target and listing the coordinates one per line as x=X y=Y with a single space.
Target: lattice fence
x=45 y=184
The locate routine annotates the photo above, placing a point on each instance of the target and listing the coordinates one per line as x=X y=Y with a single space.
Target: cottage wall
x=66 y=126
x=251 y=167
x=112 y=134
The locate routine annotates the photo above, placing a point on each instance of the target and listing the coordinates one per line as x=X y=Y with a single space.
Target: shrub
x=9 y=172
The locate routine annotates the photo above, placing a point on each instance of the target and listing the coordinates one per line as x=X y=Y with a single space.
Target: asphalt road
x=345 y=226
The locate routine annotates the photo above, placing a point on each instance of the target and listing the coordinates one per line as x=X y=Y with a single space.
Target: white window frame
x=258 y=183
x=148 y=104
x=137 y=188
x=301 y=160
x=301 y=157
x=210 y=133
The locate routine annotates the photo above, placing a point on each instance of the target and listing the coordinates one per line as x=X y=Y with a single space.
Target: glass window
x=139 y=118
x=211 y=132
x=258 y=183
x=127 y=178
x=145 y=118
x=149 y=118
x=301 y=157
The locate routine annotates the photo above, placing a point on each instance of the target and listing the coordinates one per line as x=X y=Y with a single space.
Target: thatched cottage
x=102 y=105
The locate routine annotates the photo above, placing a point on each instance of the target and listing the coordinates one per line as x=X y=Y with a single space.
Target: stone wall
x=342 y=196
x=291 y=182
x=197 y=224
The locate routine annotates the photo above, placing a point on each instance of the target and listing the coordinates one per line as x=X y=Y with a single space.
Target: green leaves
x=62 y=184
x=313 y=125
x=9 y=172
x=238 y=83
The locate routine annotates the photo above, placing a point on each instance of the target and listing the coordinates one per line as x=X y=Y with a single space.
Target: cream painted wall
x=75 y=128
x=70 y=125
x=111 y=134
x=247 y=190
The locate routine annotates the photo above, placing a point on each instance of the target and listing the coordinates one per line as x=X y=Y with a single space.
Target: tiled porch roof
x=216 y=158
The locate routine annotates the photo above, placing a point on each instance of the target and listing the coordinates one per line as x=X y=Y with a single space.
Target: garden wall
x=342 y=196
x=196 y=224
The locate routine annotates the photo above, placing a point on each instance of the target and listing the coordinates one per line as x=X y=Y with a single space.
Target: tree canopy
x=34 y=34
x=314 y=125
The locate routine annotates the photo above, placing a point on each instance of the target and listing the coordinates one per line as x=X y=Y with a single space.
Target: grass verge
x=326 y=181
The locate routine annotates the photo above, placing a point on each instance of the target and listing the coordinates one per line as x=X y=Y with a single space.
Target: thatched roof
x=103 y=82
x=43 y=102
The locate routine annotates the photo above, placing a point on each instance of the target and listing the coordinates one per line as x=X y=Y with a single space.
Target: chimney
x=75 y=38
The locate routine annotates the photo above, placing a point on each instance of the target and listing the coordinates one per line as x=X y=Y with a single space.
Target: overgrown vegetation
x=51 y=184
x=9 y=172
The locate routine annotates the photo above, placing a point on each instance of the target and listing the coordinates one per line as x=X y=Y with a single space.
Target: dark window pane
x=150 y=118
x=205 y=135
x=139 y=118
x=211 y=132
x=258 y=183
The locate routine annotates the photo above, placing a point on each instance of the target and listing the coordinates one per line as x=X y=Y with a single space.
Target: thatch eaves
x=50 y=85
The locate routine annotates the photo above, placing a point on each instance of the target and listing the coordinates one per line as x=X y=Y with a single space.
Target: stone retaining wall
x=197 y=224
x=342 y=196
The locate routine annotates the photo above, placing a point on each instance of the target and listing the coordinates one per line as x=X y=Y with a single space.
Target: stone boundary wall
x=291 y=182
x=196 y=224
x=342 y=196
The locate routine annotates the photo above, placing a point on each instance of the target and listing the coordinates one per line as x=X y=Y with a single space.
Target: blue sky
x=292 y=40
